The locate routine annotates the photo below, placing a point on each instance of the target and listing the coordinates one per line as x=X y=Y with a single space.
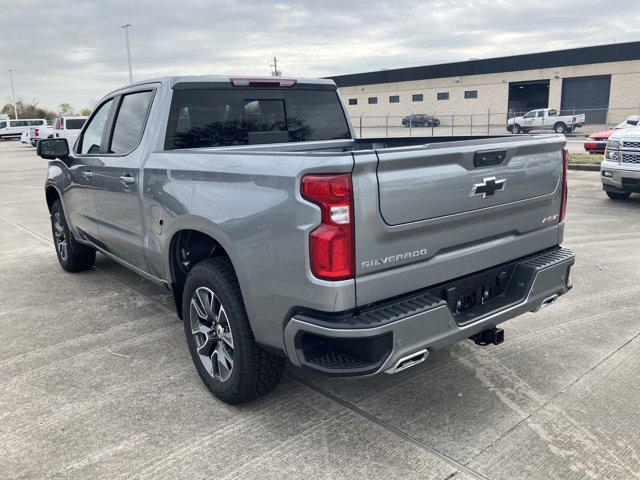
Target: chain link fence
x=480 y=123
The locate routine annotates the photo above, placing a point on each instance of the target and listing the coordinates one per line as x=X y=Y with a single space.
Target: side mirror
x=52 y=148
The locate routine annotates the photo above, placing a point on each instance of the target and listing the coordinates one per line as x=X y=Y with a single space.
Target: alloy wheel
x=60 y=237
x=212 y=333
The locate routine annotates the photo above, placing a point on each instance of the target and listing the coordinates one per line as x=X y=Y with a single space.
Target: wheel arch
x=186 y=247
x=51 y=194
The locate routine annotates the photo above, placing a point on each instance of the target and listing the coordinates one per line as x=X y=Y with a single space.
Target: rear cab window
x=74 y=123
x=207 y=117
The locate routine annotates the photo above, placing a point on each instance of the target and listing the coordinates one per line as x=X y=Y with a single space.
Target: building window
x=443 y=96
x=353 y=101
x=417 y=97
x=394 y=99
x=373 y=100
x=471 y=94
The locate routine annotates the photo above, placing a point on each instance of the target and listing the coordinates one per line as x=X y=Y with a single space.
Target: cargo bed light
x=270 y=82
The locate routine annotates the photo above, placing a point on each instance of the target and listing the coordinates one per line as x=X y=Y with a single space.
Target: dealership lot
x=97 y=381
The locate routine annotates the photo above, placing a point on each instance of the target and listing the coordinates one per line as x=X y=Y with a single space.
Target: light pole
x=13 y=94
x=126 y=35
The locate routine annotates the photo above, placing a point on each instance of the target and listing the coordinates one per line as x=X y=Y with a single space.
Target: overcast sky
x=75 y=51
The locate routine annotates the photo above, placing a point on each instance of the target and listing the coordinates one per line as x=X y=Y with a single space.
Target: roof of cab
x=196 y=79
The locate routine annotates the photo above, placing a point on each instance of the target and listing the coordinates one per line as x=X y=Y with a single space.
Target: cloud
x=75 y=51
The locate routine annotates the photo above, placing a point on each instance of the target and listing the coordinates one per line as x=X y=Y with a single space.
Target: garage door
x=588 y=95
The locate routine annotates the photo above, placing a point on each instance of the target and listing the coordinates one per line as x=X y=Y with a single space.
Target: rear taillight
x=35 y=131
x=61 y=124
x=565 y=169
x=331 y=250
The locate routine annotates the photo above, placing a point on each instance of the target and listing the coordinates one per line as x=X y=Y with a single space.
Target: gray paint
x=249 y=201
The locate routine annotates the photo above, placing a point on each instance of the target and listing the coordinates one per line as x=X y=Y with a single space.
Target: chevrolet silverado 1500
x=282 y=236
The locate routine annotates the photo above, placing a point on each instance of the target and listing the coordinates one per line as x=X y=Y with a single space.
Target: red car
x=598 y=141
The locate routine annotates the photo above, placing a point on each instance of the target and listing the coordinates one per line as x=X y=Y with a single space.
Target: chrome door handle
x=127 y=179
x=87 y=175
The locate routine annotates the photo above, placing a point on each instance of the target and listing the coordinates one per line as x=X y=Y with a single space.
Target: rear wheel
x=560 y=128
x=229 y=361
x=618 y=195
x=73 y=256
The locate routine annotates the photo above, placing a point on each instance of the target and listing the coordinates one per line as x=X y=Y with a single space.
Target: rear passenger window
x=129 y=124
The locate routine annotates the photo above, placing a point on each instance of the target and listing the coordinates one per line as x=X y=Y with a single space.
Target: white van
x=68 y=127
x=14 y=128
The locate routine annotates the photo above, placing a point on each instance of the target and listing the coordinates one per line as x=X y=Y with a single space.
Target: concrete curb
x=584 y=166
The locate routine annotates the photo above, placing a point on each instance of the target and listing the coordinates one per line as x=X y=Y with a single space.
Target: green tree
x=27 y=109
x=65 y=109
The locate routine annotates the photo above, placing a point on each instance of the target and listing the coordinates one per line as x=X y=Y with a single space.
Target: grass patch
x=585 y=158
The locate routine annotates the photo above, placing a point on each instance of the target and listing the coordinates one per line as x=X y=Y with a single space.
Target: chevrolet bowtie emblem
x=488 y=187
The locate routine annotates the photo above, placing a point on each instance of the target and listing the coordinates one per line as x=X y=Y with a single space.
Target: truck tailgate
x=445 y=210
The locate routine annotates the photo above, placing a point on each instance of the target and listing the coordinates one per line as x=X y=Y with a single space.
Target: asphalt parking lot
x=97 y=381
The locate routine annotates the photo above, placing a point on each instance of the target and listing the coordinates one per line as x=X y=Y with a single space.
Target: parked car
x=420 y=120
x=68 y=127
x=620 y=168
x=545 y=119
x=14 y=128
x=38 y=133
x=282 y=235
x=597 y=142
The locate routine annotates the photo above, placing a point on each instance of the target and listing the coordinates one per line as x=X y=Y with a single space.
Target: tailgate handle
x=489 y=158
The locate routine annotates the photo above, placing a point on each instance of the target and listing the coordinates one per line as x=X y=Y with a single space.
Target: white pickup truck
x=545 y=119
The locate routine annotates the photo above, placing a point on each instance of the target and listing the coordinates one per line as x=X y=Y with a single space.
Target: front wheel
x=225 y=353
x=517 y=129
x=618 y=195
x=73 y=257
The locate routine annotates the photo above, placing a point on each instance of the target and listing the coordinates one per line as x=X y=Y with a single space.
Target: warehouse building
x=601 y=81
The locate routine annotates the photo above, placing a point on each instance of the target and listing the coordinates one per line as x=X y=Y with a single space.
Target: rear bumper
x=368 y=342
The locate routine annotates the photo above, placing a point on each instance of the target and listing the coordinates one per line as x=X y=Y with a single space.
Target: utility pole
x=126 y=35
x=13 y=94
x=275 y=72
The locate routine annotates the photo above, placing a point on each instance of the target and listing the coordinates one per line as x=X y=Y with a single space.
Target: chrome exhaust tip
x=409 y=361
x=547 y=302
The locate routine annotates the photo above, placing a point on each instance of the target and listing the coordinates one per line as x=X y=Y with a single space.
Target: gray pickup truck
x=282 y=236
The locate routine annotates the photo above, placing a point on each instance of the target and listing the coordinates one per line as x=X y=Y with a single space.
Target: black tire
x=254 y=372
x=618 y=195
x=517 y=129
x=73 y=256
x=560 y=128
